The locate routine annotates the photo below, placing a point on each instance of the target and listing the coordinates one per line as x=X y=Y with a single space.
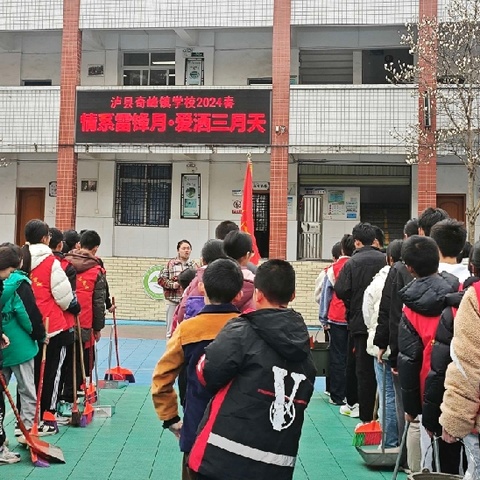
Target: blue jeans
x=390 y=427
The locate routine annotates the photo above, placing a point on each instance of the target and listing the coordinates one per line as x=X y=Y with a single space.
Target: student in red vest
x=53 y=294
x=65 y=390
x=91 y=291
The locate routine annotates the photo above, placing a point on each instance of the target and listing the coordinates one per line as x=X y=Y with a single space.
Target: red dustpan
x=118 y=372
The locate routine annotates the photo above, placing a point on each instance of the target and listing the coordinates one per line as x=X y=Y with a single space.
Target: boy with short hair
x=238 y=245
x=261 y=370
x=424 y=301
x=222 y=283
x=91 y=292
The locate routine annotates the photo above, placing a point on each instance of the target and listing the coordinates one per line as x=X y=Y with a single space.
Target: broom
x=367 y=434
x=87 y=413
x=75 y=421
x=118 y=373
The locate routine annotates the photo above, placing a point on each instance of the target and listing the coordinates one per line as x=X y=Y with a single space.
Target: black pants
x=338 y=361
x=451 y=457
x=366 y=382
x=56 y=353
x=351 y=389
x=3 y=435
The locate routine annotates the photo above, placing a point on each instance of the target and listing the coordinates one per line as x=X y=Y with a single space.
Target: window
x=143 y=194
x=149 y=68
x=36 y=83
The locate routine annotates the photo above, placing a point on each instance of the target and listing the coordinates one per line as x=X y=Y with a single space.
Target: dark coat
x=425 y=297
x=434 y=384
x=261 y=369
x=355 y=276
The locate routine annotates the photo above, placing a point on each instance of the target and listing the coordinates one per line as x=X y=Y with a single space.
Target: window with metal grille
x=143 y=194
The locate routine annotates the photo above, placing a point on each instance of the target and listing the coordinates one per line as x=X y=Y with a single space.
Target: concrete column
x=66 y=208
x=427 y=152
x=280 y=128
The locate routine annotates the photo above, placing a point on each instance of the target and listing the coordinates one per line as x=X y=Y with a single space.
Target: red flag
x=246 y=222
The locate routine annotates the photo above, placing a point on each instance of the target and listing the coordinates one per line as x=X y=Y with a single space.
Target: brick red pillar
x=427 y=152
x=280 y=118
x=70 y=77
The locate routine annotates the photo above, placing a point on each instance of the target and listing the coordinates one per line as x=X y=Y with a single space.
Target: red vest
x=42 y=289
x=336 y=310
x=85 y=287
x=426 y=327
x=69 y=317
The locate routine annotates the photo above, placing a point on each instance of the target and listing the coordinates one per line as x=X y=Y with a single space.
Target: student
x=333 y=317
x=8 y=263
x=225 y=227
x=71 y=241
x=370 y=308
x=222 y=283
x=22 y=323
x=460 y=408
x=90 y=292
x=450 y=236
x=262 y=373
x=424 y=301
x=53 y=294
x=350 y=286
x=212 y=250
x=65 y=389
x=238 y=245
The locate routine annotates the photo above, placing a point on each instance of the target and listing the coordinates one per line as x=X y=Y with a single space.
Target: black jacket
x=434 y=384
x=355 y=276
x=261 y=369
x=425 y=297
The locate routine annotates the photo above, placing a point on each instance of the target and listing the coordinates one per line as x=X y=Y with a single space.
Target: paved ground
x=132 y=444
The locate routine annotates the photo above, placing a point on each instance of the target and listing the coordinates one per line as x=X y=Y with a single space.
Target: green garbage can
x=321 y=358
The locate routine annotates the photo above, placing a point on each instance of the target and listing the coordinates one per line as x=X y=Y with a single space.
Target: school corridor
x=132 y=444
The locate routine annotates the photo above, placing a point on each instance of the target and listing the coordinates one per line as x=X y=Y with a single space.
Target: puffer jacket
x=261 y=369
x=435 y=382
x=352 y=281
x=424 y=301
x=461 y=401
x=370 y=308
x=16 y=322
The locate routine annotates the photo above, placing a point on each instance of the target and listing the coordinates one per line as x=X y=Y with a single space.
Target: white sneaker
x=7 y=457
x=350 y=411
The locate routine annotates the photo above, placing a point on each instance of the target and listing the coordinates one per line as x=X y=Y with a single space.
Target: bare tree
x=449 y=46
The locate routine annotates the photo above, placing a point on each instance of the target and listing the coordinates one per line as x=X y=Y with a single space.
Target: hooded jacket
x=424 y=301
x=16 y=322
x=261 y=369
x=91 y=288
x=435 y=382
x=51 y=287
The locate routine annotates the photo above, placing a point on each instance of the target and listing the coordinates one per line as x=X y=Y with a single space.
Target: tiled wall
x=29 y=119
x=125 y=277
x=350 y=119
x=114 y=14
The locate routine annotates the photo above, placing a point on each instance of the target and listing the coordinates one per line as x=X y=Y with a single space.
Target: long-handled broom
x=118 y=373
x=44 y=452
x=87 y=413
x=75 y=420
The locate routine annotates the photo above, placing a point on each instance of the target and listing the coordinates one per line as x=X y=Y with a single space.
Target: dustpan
x=371 y=454
x=433 y=476
x=110 y=382
x=101 y=411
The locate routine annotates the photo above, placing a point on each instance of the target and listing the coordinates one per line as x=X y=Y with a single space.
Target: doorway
x=454 y=205
x=261 y=215
x=30 y=205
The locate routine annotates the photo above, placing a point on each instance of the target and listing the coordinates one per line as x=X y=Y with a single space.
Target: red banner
x=246 y=223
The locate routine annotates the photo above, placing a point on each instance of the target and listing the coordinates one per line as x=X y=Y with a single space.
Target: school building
x=136 y=118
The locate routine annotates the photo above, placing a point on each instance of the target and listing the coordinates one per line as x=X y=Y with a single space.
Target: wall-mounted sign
x=200 y=116
x=190 y=198
x=194 y=71
x=261 y=186
x=88 y=185
x=52 y=189
x=95 y=70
